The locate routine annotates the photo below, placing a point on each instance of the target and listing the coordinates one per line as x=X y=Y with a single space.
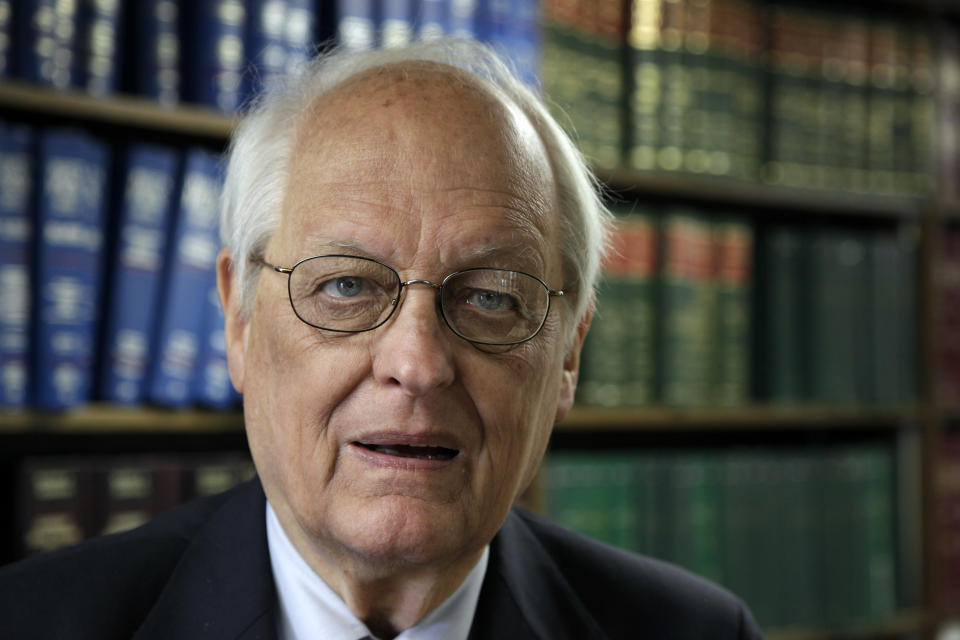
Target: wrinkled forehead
x=425 y=125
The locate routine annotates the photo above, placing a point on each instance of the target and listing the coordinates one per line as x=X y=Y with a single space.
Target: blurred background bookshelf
x=770 y=394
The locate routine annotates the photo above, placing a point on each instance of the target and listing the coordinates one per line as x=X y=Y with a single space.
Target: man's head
x=403 y=446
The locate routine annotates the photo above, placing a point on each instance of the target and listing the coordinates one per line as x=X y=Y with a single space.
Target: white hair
x=259 y=158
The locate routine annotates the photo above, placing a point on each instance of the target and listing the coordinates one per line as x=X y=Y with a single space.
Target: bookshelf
x=924 y=421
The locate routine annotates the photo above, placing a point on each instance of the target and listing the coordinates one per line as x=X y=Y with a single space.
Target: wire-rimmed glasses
x=352 y=294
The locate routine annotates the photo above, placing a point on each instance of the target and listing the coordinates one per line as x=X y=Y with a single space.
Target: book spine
x=463 y=18
x=71 y=224
x=129 y=492
x=893 y=303
x=676 y=90
x=433 y=19
x=213 y=60
x=646 y=86
x=949 y=320
x=781 y=363
x=264 y=44
x=639 y=300
x=156 y=50
x=16 y=286
x=55 y=504
x=733 y=246
x=98 y=46
x=838 y=318
x=948 y=521
x=143 y=230
x=299 y=34
x=193 y=253
x=7 y=39
x=47 y=33
x=213 y=386
x=687 y=309
x=603 y=361
x=396 y=23
x=357 y=22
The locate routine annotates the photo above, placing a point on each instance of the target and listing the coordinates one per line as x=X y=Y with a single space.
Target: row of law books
x=219 y=53
x=949 y=313
x=210 y=52
x=65 y=500
x=826 y=98
x=805 y=535
x=107 y=273
x=700 y=309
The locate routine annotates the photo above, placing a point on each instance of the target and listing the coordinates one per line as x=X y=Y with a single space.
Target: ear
x=571 y=366
x=235 y=328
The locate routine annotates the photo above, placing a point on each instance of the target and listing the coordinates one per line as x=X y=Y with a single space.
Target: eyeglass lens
x=491 y=306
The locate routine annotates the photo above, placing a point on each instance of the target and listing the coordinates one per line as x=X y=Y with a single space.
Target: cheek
x=518 y=404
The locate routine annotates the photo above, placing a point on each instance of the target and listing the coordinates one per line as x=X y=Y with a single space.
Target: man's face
x=430 y=177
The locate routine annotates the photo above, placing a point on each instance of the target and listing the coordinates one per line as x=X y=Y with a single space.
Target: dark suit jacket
x=203 y=571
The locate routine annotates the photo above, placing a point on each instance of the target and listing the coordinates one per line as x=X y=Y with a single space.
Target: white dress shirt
x=309 y=608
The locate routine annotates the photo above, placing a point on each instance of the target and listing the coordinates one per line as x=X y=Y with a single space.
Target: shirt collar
x=309 y=608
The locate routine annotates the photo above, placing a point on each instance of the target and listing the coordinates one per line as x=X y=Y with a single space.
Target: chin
x=399 y=530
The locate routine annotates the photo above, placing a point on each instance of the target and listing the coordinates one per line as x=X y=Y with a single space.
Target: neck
x=387 y=595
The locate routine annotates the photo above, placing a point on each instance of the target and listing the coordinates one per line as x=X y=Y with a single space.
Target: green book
x=893 y=313
x=859 y=561
x=797 y=528
x=638 y=307
x=733 y=249
x=838 y=318
x=696 y=508
x=644 y=85
x=594 y=494
x=751 y=550
x=781 y=359
x=687 y=308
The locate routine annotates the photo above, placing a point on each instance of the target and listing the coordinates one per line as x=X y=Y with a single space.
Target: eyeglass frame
x=395 y=303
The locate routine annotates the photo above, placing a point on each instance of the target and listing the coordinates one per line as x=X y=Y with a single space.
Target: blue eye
x=345 y=287
x=491 y=300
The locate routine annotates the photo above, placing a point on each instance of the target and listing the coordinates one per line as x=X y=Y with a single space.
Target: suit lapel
x=525 y=595
x=223 y=585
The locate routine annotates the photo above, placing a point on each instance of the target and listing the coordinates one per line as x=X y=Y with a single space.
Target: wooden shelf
x=720 y=190
x=96 y=419
x=121 y=111
x=754 y=417
x=104 y=419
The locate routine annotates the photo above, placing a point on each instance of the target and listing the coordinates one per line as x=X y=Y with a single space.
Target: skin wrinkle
x=393 y=543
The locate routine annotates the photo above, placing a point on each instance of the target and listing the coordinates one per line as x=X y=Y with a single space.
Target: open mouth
x=426 y=452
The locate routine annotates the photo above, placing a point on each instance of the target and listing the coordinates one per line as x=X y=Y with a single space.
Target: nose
x=413 y=351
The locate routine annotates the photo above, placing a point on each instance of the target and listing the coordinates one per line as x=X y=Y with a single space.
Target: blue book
x=523 y=40
x=300 y=33
x=71 y=213
x=396 y=23
x=511 y=28
x=212 y=385
x=214 y=59
x=16 y=234
x=155 y=50
x=142 y=231
x=433 y=19
x=357 y=22
x=191 y=257
x=7 y=31
x=463 y=18
x=97 y=56
x=265 y=44
x=47 y=37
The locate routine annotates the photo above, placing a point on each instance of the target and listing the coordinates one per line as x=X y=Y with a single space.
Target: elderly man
x=411 y=252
